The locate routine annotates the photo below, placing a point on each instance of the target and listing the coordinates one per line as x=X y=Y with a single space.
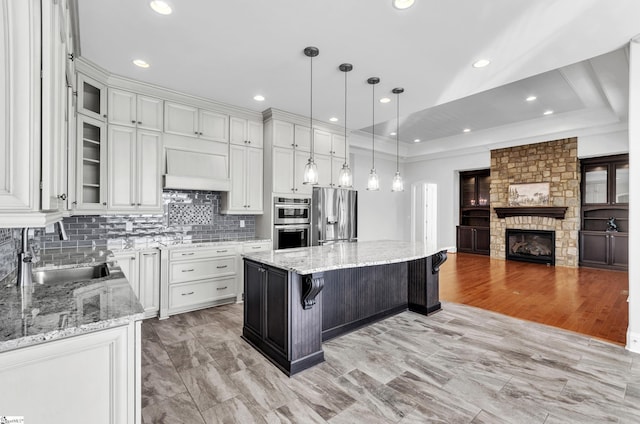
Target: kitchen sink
x=52 y=276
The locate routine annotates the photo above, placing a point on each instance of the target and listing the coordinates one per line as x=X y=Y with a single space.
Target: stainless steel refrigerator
x=334 y=215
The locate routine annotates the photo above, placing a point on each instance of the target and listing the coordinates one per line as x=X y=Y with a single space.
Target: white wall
x=380 y=213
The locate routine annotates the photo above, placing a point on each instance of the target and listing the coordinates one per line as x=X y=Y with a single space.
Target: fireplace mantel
x=556 y=212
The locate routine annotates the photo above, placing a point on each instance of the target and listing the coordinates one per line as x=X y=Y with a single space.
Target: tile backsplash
x=9 y=248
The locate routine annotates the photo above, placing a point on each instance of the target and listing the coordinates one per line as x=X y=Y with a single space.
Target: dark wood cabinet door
x=465 y=239
x=253 y=308
x=594 y=248
x=619 y=247
x=276 y=312
x=482 y=240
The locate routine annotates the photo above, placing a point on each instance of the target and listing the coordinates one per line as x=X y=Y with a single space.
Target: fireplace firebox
x=531 y=246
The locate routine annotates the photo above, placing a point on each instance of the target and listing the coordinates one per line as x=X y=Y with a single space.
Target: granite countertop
x=44 y=312
x=177 y=244
x=307 y=260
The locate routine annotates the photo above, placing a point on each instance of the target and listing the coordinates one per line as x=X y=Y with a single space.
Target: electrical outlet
x=128 y=226
x=242 y=223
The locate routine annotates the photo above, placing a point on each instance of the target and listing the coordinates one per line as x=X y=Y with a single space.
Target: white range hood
x=189 y=170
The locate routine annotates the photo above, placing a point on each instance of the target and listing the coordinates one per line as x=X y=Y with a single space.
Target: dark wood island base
x=288 y=315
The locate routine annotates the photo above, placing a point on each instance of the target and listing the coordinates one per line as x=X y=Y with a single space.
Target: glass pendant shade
x=397 y=184
x=345 y=179
x=310 y=173
x=373 y=183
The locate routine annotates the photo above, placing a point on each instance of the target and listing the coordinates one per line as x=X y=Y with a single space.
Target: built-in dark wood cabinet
x=473 y=232
x=605 y=212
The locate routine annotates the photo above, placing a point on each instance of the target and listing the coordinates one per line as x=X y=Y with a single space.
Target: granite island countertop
x=44 y=312
x=307 y=260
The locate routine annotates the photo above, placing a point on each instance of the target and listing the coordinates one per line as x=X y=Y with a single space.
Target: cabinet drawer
x=201 y=269
x=198 y=253
x=186 y=294
x=256 y=247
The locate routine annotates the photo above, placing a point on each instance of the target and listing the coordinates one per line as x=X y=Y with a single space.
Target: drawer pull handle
x=187 y=270
x=221 y=251
x=188 y=254
x=187 y=294
x=222 y=288
x=255 y=247
x=221 y=266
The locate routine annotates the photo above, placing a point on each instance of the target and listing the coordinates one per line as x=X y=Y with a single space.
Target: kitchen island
x=295 y=299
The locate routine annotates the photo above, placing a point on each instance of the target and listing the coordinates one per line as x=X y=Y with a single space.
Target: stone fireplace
x=554 y=162
x=531 y=246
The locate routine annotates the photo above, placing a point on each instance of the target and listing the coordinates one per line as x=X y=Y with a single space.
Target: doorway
x=424 y=212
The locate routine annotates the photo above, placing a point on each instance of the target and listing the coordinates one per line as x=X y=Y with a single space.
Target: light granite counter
x=308 y=260
x=44 y=312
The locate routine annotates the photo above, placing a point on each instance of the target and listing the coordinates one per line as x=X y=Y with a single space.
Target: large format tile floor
x=460 y=365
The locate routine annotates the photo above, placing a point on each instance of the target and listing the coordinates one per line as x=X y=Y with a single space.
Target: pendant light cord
x=311 y=108
x=398 y=133
x=373 y=127
x=345 y=117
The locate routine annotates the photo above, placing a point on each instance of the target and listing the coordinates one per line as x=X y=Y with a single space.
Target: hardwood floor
x=584 y=300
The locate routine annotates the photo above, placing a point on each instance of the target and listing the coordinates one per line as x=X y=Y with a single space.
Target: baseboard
x=633 y=341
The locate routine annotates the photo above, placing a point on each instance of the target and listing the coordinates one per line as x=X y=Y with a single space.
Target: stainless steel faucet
x=27 y=256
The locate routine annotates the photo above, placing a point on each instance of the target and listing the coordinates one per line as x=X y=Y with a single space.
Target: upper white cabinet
x=193 y=122
x=245 y=194
x=291 y=136
x=290 y=151
x=135 y=110
x=245 y=132
x=134 y=170
x=91 y=166
x=92 y=98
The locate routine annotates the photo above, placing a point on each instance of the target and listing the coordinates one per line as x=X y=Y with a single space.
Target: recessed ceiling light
x=403 y=4
x=141 y=63
x=393 y=133
x=333 y=119
x=258 y=98
x=466 y=130
x=161 y=7
x=417 y=140
x=481 y=63
x=385 y=100
x=548 y=112
x=531 y=98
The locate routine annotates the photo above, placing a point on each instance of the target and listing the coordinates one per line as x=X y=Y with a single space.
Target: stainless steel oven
x=290 y=236
x=291 y=211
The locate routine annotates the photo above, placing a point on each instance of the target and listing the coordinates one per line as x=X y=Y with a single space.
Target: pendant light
x=373 y=183
x=310 y=169
x=345 y=179
x=397 y=184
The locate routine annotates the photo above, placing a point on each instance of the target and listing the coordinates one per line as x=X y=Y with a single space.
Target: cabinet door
x=148 y=176
x=301 y=159
x=254 y=182
x=149 y=113
x=482 y=240
x=122 y=108
x=594 y=248
x=465 y=239
x=323 y=162
x=276 y=316
x=238 y=173
x=322 y=142
x=238 y=131
x=180 y=119
x=255 y=133
x=129 y=266
x=213 y=126
x=92 y=98
x=253 y=293
x=283 y=134
x=91 y=172
x=338 y=146
x=336 y=167
x=283 y=170
x=619 y=248
x=302 y=138
x=149 y=282
x=122 y=168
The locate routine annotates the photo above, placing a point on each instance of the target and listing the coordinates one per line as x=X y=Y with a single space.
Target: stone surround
x=555 y=162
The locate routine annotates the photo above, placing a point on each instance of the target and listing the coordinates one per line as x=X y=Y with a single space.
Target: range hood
x=188 y=170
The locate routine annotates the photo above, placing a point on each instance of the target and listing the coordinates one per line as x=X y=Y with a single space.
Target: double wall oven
x=292 y=222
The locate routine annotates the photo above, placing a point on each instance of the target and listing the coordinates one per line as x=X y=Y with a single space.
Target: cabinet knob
x=249 y=141
x=293 y=145
x=104 y=203
x=139 y=204
x=139 y=122
x=196 y=133
x=133 y=204
x=104 y=116
x=62 y=196
x=222 y=288
x=133 y=121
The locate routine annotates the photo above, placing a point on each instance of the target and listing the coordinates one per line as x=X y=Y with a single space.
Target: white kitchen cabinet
x=142 y=270
x=288 y=168
x=338 y=147
x=134 y=110
x=302 y=138
x=197 y=278
x=91 y=166
x=323 y=162
x=90 y=378
x=245 y=194
x=336 y=166
x=322 y=142
x=283 y=134
x=193 y=122
x=245 y=132
x=92 y=98
x=134 y=170
x=301 y=159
